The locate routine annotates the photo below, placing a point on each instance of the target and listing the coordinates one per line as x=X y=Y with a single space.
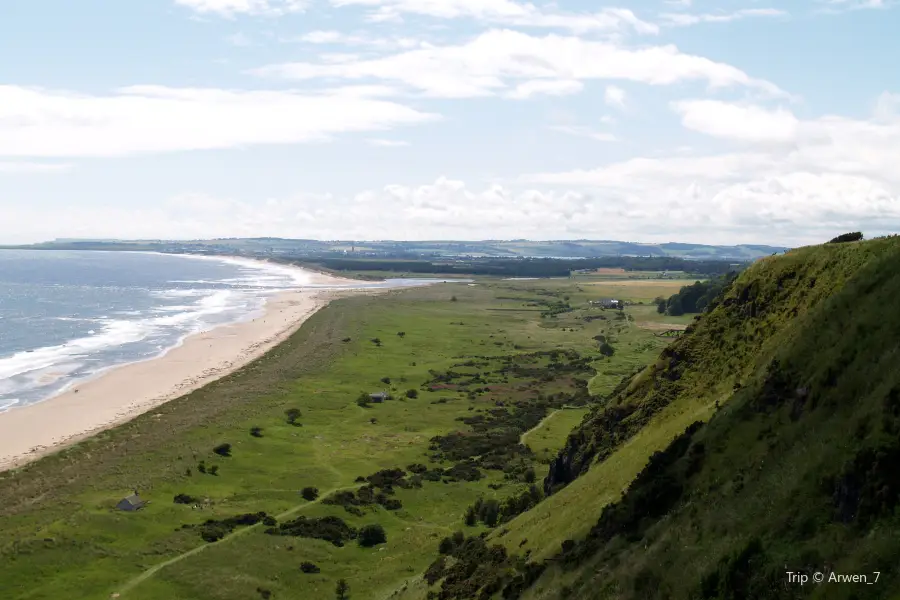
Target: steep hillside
x=797 y=469
x=760 y=442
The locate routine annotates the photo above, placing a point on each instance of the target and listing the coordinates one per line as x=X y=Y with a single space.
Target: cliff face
x=797 y=469
x=742 y=327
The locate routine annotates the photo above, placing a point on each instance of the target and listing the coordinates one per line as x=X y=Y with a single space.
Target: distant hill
x=397 y=249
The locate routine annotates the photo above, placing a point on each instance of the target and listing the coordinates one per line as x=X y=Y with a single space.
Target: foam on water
x=140 y=322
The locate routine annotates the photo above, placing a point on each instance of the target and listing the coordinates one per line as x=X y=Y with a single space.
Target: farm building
x=131 y=503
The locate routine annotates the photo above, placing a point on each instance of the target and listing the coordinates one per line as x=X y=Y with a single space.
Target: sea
x=67 y=316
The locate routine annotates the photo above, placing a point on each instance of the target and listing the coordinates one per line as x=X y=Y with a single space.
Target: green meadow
x=63 y=538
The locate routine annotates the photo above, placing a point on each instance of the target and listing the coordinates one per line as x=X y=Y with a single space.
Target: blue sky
x=722 y=122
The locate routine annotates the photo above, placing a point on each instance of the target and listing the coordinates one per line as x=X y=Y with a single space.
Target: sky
x=726 y=122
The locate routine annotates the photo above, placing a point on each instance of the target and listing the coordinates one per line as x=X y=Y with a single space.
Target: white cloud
x=795 y=208
x=230 y=8
x=614 y=96
x=685 y=19
x=546 y=87
x=487 y=65
x=387 y=143
x=841 y=6
x=148 y=119
x=505 y=12
x=350 y=39
x=822 y=176
x=600 y=136
x=28 y=168
x=738 y=122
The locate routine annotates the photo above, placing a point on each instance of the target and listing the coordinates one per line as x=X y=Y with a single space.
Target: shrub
x=372 y=535
x=308 y=567
x=256 y=432
x=452 y=298
x=292 y=415
x=401 y=334
x=213 y=470
x=223 y=449
x=201 y=467
x=376 y=341
x=606 y=349
x=416 y=468
x=310 y=493
x=363 y=401
x=345 y=340
x=185 y=499
x=264 y=593
x=330 y=529
x=847 y=237
x=412 y=393
x=386 y=380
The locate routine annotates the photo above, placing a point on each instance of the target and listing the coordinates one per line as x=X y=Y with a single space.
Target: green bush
x=310 y=493
x=412 y=393
x=371 y=535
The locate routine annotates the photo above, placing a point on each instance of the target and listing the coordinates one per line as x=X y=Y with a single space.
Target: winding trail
x=134 y=582
x=525 y=435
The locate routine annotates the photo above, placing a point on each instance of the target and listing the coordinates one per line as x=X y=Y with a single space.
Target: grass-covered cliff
x=798 y=468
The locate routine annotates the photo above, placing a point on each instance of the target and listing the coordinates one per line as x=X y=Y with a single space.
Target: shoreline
x=127 y=391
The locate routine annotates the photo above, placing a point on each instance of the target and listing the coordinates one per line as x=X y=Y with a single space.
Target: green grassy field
x=62 y=537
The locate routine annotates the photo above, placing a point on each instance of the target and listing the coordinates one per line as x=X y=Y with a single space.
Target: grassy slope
x=823 y=312
x=61 y=537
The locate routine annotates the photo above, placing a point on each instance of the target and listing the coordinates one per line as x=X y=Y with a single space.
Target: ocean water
x=67 y=315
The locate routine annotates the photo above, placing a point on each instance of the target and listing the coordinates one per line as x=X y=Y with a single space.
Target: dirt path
x=525 y=435
x=131 y=584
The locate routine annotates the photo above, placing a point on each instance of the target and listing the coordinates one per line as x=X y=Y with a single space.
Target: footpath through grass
x=467 y=377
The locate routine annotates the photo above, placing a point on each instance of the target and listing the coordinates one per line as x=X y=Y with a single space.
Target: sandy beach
x=124 y=392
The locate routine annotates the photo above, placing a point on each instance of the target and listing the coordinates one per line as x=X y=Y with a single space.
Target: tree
x=471 y=517
x=453 y=299
x=256 y=432
x=376 y=341
x=606 y=349
x=292 y=415
x=371 y=535
x=342 y=591
x=363 y=400
x=310 y=493
x=401 y=334
x=412 y=393
x=386 y=380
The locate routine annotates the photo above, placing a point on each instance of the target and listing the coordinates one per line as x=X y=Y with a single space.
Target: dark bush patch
x=330 y=529
x=185 y=499
x=213 y=530
x=310 y=493
x=256 y=432
x=371 y=535
x=223 y=450
x=412 y=393
x=308 y=567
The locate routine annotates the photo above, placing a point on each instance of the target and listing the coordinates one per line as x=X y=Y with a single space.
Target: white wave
x=7 y=403
x=114 y=333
